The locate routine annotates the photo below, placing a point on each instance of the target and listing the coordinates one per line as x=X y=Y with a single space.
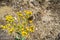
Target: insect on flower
x=30 y=19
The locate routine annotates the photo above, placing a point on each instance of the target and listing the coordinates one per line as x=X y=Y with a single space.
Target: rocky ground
x=46 y=16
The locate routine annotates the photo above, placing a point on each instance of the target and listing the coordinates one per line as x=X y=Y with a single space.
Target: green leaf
x=22 y=38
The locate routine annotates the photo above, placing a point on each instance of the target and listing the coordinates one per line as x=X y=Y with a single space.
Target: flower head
x=31 y=29
x=3 y=27
x=19 y=13
x=28 y=12
x=24 y=33
x=10 y=30
x=27 y=28
x=9 y=18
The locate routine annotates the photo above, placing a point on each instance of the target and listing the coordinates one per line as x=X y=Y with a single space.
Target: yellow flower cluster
x=11 y=30
x=27 y=30
x=23 y=26
x=5 y=26
x=9 y=18
x=28 y=12
x=8 y=28
x=19 y=13
x=31 y=29
x=24 y=33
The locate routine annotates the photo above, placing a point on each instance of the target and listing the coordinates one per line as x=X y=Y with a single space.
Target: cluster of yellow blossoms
x=9 y=18
x=25 y=31
x=8 y=28
x=22 y=26
x=28 y=12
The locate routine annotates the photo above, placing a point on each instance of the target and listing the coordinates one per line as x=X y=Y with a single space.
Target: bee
x=30 y=18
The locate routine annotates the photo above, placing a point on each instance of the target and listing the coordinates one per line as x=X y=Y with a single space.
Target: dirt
x=46 y=16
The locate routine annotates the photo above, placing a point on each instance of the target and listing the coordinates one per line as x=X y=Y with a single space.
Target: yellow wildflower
x=3 y=27
x=10 y=30
x=28 y=12
x=31 y=29
x=19 y=13
x=9 y=18
x=27 y=28
x=24 y=33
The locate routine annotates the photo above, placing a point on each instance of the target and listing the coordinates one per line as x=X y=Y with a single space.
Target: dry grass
x=45 y=15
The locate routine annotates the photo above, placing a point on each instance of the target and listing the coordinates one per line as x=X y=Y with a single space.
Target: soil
x=46 y=17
